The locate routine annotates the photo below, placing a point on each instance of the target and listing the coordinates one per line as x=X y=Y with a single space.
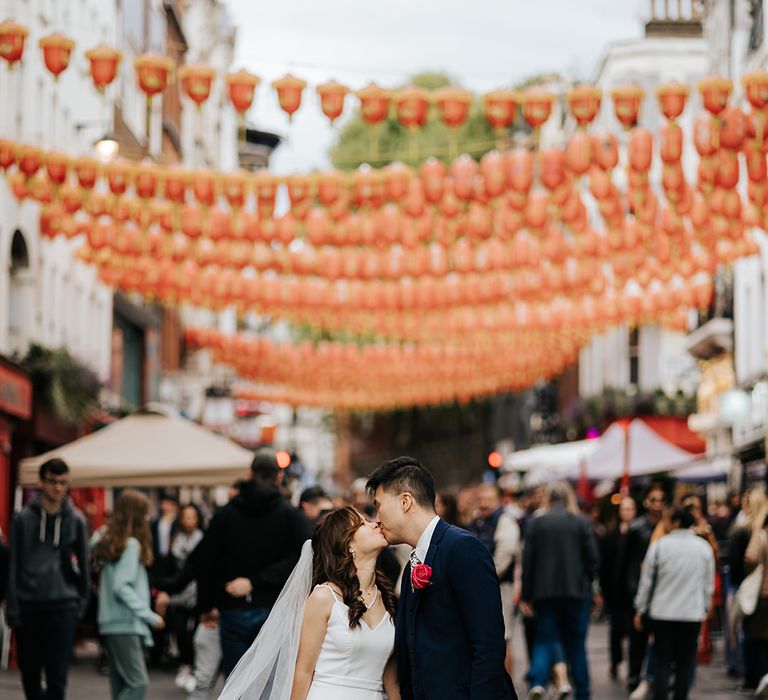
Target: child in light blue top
x=125 y=616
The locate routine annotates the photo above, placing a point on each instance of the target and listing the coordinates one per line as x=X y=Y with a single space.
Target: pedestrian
x=675 y=594
x=125 y=617
x=613 y=585
x=250 y=548
x=446 y=508
x=49 y=583
x=638 y=541
x=560 y=564
x=756 y=625
x=744 y=654
x=500 y=534
x=182 y=614
x=315 y=502
x=5 y=565
x=692 y=503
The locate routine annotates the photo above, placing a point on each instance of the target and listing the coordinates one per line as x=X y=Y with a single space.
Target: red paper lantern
x=104 y=61
x=234 y=189
x=117 y=177
x=552 y=168
x=519 y=168
x=453 y=104
x=87 y=170
x=584 y=102
x=57 y=165
x=537 y=106
x=733 y=127
x=626 y=102
x=145 y=181
x=756 y=88
x=374 y=103
x=7 y=154
x=12 y=37
x=672 y=98
x=57 y=49
x=241 y=88
x=578 y=153
x=30 y=159
x=289 y=89
x=204 y=187
x=432 y=175
x=671 y=148
x=153 y=73
x=196 y=81
x=715 y=92
x=412 y=105
x=332 y=96
x=500 y=108
x=175 y=185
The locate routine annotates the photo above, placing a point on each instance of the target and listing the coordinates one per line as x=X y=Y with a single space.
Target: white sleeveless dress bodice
x=351 y=662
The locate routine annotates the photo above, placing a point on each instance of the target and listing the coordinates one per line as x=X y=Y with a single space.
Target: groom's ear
x=406 y=502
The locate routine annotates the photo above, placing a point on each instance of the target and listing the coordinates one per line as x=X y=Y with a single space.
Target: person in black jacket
x=613 y=547
x=560 y=563
x=49 y=582
x=250 y=549
x=638 y=540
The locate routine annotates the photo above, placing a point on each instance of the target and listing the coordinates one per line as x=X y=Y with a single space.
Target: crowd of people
x=198 y=590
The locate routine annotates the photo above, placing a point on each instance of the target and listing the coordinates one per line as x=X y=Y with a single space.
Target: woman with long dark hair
x=125 y=616
x=331 y=633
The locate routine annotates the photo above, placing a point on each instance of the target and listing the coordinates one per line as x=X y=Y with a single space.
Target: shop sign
x=15 y=393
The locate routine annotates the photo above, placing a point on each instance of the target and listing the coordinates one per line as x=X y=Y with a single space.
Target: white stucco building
x=46 y=296
x=673 y=49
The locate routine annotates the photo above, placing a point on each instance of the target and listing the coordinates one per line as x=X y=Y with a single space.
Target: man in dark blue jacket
x=449 y=637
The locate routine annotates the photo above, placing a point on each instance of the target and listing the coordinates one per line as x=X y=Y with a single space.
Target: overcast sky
x=482 y=44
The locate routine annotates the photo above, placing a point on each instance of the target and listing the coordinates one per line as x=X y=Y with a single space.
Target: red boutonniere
x=421 y=576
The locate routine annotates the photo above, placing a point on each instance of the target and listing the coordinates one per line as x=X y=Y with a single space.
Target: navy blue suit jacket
x=449 y=636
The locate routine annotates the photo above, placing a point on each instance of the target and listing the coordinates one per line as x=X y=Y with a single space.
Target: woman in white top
x=331 y=633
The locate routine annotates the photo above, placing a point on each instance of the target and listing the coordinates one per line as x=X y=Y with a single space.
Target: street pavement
x=711 y=681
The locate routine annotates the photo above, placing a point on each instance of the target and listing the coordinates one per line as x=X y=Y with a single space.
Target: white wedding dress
x=351 y=662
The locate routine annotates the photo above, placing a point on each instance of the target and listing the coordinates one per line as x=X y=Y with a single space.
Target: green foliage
x=68 y=388
x=390 y=141
x=601 y=410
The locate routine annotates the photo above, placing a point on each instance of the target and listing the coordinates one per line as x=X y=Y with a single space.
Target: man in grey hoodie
x=48 y=583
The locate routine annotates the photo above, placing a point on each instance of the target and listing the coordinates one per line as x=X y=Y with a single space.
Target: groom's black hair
x=404 y=474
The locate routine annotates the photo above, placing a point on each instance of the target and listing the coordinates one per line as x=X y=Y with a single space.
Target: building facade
x=673 y=48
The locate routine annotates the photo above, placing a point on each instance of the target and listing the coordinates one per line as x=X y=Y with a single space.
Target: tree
x=358 y=143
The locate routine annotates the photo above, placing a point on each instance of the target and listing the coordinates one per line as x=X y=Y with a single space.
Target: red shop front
x=15 y=407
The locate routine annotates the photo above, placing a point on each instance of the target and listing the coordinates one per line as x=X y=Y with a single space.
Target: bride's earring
x=353 y=553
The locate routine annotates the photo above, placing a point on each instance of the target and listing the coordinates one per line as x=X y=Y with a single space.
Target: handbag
x=748 y=592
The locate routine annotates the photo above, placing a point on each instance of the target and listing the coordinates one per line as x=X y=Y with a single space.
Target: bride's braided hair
x=332 y=562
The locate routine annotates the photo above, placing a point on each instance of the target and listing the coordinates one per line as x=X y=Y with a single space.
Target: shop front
x=15 y=409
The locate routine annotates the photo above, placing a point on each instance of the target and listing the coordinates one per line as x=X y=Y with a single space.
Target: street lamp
x=107 y=147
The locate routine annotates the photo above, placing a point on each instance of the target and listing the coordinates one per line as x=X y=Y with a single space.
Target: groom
x=449 y=638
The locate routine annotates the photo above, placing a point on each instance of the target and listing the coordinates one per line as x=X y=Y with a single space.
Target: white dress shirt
x=422 y=546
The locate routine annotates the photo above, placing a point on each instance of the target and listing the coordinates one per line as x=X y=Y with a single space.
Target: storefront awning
x=148 y=449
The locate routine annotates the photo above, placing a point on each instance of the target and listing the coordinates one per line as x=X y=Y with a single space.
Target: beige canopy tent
x=147 y=449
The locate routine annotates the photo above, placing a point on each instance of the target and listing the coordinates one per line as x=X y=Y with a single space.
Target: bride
x=330 y=635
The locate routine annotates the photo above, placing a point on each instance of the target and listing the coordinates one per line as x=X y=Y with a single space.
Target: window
x=756 y=29
x=634 y=355
x=19 y=296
